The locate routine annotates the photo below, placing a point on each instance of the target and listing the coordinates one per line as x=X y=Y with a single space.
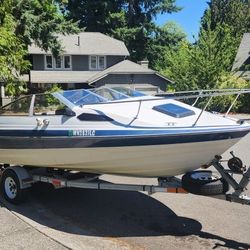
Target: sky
x=188 y=18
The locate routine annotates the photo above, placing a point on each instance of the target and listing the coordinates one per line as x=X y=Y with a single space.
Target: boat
x=115 y=131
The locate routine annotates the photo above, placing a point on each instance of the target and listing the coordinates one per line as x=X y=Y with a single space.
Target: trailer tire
x=204 y=183
x=11 y=189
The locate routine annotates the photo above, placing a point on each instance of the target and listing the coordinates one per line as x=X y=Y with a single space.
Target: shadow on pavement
x=104 y=213
x=111 y=214
x=223 y=242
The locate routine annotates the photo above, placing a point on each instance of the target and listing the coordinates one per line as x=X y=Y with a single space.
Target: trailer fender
x=23 y=175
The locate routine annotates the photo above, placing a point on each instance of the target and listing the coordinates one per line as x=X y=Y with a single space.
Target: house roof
x=243 y=52
x=47 y=76
x=87 y=43
x=124 y=67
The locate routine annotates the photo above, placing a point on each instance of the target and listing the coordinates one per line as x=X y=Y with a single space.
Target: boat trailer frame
x=57 y=178
x=239 y=187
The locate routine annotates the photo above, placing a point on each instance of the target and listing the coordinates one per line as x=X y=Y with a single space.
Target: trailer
x=16 y=181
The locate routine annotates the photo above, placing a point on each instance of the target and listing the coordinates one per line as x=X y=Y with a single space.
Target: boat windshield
x=99 y=95
x=129 y=92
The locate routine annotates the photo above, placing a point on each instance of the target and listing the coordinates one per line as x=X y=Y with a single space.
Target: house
x=92 y=59
x=241 y=65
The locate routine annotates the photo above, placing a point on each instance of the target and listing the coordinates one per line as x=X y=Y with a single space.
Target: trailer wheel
x=10 y=187
x=204 y=183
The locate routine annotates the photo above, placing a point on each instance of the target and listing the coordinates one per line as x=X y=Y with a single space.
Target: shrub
x=221 y=104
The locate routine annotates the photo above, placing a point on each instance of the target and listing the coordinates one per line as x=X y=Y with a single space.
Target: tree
x=99 y=15
x=222 y=27
x=232 y=16
x=229 y=81
x=21 y=23
x=166 y=39
x=212 y=55
x=140 y=26
x=131 y=21
x=234 y=13
x=40 y=21
x=12 y=52
x=178 y=66
x=207 y=63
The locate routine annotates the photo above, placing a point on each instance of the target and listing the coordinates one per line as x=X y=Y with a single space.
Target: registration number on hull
x=85 y=132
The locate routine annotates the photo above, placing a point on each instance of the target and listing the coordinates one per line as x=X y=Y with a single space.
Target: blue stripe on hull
x=36 y=142
x=109 y=133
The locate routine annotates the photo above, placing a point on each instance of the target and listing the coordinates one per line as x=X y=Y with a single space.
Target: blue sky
x=188 y=18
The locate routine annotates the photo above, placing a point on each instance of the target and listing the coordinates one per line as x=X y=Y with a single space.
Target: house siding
x=38 y=62
x=112 y=60
x=80 y=62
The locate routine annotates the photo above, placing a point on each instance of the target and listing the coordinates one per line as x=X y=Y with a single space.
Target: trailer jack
x=240 y=187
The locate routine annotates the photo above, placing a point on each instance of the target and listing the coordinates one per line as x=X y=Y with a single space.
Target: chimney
x=144 y=63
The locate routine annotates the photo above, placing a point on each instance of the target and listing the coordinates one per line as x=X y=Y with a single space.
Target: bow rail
x=190 y=94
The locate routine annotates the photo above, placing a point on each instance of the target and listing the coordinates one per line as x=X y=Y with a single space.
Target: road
x=91 y=219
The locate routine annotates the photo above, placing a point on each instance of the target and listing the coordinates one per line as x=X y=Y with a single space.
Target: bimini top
x=82 y=97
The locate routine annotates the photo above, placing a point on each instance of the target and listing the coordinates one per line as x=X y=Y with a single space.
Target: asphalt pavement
x=105 y=219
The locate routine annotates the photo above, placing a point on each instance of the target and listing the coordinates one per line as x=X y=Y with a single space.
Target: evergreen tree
x=39 y=21
x=234 y=13
x=213 y=53
x=97 y=15
x=166 y=39
x=21 y=23
x=129 y=20
x=228 y=20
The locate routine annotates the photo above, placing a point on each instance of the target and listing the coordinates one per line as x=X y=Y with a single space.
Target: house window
x=48 y=62
x=67 y=62
x=101 y=62
x=58 y=63
x=97 y=62
x=93 y=62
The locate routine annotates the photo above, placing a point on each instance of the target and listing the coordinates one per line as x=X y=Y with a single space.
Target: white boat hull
x=143 y=161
